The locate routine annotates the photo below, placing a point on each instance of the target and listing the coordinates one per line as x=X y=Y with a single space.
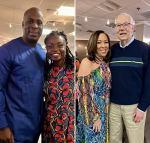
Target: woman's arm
x=88 y=109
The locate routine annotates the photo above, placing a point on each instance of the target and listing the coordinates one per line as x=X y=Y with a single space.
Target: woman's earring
x=50 y=61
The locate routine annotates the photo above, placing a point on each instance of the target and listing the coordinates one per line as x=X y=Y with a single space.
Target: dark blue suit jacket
x=21 y=96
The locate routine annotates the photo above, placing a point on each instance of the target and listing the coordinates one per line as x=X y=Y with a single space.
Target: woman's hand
x=97 y=125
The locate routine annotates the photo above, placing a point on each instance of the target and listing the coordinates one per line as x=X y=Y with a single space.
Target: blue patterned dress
x=93 y=96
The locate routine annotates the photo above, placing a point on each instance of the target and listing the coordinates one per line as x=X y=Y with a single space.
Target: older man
x=22 y=63
x=130 y=97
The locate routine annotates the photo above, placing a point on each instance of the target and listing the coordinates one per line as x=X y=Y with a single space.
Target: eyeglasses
x=124 y=25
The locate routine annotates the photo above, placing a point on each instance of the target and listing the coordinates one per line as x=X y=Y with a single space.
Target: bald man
x=22 y=62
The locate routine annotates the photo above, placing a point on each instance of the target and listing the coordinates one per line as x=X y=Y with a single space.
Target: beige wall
x=80 y=48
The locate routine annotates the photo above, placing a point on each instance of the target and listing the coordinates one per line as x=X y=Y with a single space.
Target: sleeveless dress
x=93 y=96
x=59 y=106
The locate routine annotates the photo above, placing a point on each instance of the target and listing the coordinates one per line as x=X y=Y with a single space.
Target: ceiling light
x=109 y=6
x=56 y=13
x=66 y=11
x=108 y=21
x=85 y=18
x=86 y=52
x=10 y=25
x=46 y=31
x=72 y=33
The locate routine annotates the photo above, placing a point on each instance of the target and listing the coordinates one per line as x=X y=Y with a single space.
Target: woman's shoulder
x=85 y=67
x=86 y=62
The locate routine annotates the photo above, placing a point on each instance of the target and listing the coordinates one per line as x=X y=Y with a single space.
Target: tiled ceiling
x=11 y=11
x=97 y=17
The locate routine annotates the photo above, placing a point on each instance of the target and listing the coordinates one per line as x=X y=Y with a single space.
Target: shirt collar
x=127 y=43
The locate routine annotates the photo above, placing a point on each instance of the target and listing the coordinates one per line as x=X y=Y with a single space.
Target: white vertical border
x=75 y=73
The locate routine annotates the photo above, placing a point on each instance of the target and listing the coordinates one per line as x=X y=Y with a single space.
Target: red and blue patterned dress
x=59 y=106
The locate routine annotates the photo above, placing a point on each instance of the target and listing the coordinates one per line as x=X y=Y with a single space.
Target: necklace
x=98 y=58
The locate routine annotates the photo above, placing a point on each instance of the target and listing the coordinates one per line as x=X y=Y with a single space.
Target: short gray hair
x=131 y=19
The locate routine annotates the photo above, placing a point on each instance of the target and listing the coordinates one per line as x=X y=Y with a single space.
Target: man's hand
x=6 y=136
x=97 y=125
x=138 y=116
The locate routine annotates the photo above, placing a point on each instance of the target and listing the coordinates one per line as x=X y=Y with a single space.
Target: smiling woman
x=93 y=87
x=58 y=90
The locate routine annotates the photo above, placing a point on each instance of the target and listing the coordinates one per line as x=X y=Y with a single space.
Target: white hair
x=131 y=19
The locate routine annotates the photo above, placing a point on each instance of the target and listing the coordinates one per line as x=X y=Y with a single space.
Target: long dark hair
x=92 y=46
x=69 y=61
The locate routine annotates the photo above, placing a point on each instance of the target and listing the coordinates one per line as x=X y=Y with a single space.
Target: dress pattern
x=59 y=106
x=93 y=96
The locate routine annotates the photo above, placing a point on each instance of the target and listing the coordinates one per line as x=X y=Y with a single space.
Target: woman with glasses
x=58 y=90
x=94 y=90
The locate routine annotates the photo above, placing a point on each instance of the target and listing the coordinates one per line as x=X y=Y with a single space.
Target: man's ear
x=133 y=28
x=22 y=24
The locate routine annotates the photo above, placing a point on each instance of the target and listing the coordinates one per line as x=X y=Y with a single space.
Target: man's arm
x=145 y=97
x=5 y=64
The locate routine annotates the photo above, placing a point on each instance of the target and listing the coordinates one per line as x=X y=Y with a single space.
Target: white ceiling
x=97 y=18
x=11 y=11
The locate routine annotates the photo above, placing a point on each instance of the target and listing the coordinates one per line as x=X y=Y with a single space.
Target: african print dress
x=93 y=97
x=59 y=106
